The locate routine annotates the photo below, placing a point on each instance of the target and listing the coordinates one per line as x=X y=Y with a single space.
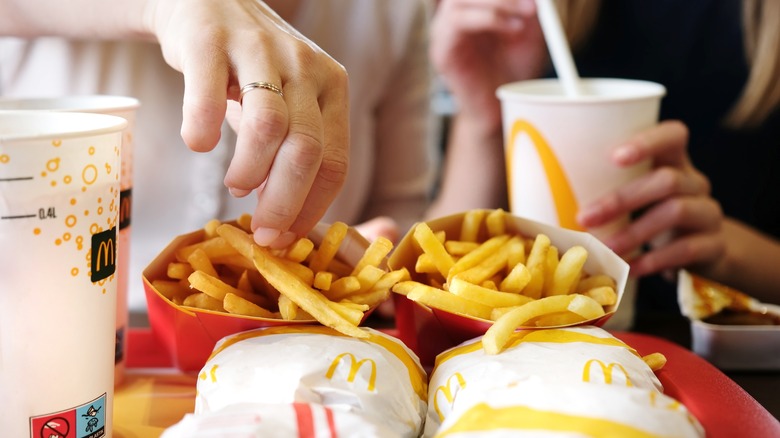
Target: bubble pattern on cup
x=75 y=226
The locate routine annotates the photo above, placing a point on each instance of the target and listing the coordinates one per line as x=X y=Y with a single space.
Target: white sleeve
x=407 y=156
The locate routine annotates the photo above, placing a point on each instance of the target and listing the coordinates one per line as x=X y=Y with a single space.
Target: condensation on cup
x=125 y=107
x=59 y=220
x=558 y=148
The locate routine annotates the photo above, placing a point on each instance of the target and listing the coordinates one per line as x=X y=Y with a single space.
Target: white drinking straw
x=558 y=47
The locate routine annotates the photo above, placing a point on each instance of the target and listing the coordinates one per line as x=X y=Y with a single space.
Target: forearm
x=474 y=173
x=77 y=18
x=751 y=263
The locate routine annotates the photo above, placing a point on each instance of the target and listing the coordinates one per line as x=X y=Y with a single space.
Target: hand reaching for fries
x=228 y=272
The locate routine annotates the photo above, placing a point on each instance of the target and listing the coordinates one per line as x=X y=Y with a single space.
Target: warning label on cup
x=85 y=421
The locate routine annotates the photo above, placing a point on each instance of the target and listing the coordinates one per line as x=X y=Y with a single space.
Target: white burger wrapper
x=582 y=358
x=277 y=420
x=534 y=408
x=379 y=378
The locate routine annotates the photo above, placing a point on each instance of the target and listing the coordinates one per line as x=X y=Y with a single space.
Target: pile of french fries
x=514 y=281
x=228 y=272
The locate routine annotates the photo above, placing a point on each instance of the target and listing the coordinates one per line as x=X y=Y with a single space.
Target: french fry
x=202 y=301
x=472 y=222
x=655 y=361
x=497 y=335
x=434 y=247
x=329 y=246
x=517 y=279
x=217 y=289
x=245 y=222
x=604 y=295
x=170 y=289
x=210 y=229
x=237 y=305
x=594 y=281
x=228 y=272
x=495 y=222
x=374 y=255
x=537 y=259
x=299 y=250
x=568 y=270
x=475 y=257
x=179 y=271
x=308 y=299
x=215 y=247
x=439 y=299
x=323 y=280
x=458 y=248
x=200 y=262
x=488 y=297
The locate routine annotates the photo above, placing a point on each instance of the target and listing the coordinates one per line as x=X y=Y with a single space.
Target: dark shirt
x=695 y=49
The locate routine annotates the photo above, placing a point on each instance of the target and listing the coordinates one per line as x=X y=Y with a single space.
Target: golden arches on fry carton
x=527 y=273
x=216 y=281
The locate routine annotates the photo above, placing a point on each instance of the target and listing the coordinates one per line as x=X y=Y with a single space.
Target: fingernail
x=588 y=214
x=238 y=193
x=284 y=240
x=626 y=154
x=266 y=236
x=527 y=6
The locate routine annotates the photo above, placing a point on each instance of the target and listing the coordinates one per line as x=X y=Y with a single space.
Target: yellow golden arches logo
x=354 y=367
x=562 y=193
x=606 y=370
x=445 y=389
x=212 y=374
x=483 y=418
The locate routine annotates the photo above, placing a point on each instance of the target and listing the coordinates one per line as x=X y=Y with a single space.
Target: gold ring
x=255 y=85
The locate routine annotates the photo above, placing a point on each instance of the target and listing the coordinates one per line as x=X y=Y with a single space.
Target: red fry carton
x=429 y=331
x=189 y=335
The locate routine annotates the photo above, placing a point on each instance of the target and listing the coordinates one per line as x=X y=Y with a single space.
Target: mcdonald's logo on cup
x=607 y=371
x=103 y=254
x=558 y=148
x=354 y=367
x=447 y=392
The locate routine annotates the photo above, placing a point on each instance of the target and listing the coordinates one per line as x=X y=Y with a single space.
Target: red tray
x=723 y=407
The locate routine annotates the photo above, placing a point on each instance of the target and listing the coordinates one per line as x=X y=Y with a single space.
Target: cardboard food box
x=728 y=346
x=429 y=331
x=188 y=334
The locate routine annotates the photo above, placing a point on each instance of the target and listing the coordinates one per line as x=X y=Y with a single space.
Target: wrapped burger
x=377 y=378
x=280 y=420
x=565 y=380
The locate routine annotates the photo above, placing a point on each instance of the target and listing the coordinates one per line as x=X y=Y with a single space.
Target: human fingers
x=292 y=166
x=691 y=250
x=205 y=96
x=676 y=217
x=456 y=22
x=483 y=15
x=332 y=172
x=381 y=226
x=656 y=186
x=262 y=128
x=665 y=144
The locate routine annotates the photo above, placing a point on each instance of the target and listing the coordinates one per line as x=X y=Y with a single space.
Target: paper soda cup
x=126 y=108
x=558 y=148
x=59 y=216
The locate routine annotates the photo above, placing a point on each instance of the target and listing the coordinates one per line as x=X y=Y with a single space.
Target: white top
x=382 y=44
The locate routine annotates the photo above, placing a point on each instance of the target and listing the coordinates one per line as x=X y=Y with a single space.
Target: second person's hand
x=678 y=219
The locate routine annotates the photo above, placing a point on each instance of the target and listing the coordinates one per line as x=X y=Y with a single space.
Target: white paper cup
x=59 y=214
x=126 y=108
x=558 y=149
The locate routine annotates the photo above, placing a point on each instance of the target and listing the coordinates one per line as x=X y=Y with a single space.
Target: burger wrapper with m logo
x=571 y=379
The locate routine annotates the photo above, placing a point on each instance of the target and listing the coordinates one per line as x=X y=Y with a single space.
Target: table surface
x=154 y=396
